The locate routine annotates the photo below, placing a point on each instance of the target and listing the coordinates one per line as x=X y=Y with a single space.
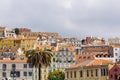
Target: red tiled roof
x=7 y=60
x=91 y=63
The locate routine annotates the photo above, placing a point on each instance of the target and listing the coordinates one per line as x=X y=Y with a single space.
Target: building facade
x=114 y=73
x=63 y=57
x=88 y=70
x=15 y=69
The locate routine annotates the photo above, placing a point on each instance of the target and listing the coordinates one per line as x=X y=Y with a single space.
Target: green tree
x=16 y=31
x=39 y=58
x=56 y=75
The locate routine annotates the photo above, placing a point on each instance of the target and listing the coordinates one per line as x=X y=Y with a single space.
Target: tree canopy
x=56 y=75
x=39 y=58
x=17 y=31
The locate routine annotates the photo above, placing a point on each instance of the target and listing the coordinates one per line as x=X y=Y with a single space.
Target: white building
x=63 y=57
x=115 y=56
x=16 y=69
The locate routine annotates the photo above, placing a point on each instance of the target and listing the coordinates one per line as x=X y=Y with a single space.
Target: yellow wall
x=84 y=73
x=45 y=72
x=6 y=43
x=27 y=43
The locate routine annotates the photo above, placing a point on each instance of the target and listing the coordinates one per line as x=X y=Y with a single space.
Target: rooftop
x=91 y=63
x=8 y=60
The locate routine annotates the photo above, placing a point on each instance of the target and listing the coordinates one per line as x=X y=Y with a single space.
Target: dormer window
x=84 y=57
x=80 y=57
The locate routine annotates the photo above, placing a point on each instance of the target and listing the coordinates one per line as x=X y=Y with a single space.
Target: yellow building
x=44 y=73
x=6 y=43
x=89 y=70
x=23 y=43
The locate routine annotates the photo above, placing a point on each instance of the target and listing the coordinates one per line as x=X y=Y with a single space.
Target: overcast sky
x=77 y=18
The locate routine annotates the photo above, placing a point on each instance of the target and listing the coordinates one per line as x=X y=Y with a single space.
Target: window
x=62 y=53
x=80 y=57
x=91 y=72
x=44 y=76
x=104 y=72
x=81 y=74
x=87 y=73
x=53 y=59
x=67 y=74
x=116 y=60
x=74 y=74
x=62 y=49
x=13 y=73
x=66 y=59
x=96 y=71
x=25 y=65
x=116 y=54
x=30 y=66
x=71 y=74
x=88 y=57
x=101 y=72
x=13 y=66
x=62 y=65
x=44 y=70
x=66 y=53
x=84 y=57
x=111 y=76
x=4 y=74
x=30 y=73
x=66 y=49
x=17 y=73
x=25 y=73
x=4 y=67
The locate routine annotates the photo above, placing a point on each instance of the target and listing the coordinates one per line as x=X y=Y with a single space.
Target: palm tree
x=39 y=58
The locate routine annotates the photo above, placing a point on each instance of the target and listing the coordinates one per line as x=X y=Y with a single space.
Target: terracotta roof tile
x=7 y=60
x=91 y=63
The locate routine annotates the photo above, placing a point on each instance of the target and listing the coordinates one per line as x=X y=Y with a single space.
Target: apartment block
x=17 y=69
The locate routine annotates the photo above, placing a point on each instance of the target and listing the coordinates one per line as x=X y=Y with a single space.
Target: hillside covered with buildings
x=92 y=58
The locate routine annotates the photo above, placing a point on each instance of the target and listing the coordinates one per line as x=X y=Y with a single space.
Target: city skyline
x=67 y=17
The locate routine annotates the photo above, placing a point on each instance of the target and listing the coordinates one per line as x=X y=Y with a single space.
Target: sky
x=70 y=18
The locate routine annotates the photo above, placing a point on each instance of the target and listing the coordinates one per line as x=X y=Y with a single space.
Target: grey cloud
x=67 y=17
